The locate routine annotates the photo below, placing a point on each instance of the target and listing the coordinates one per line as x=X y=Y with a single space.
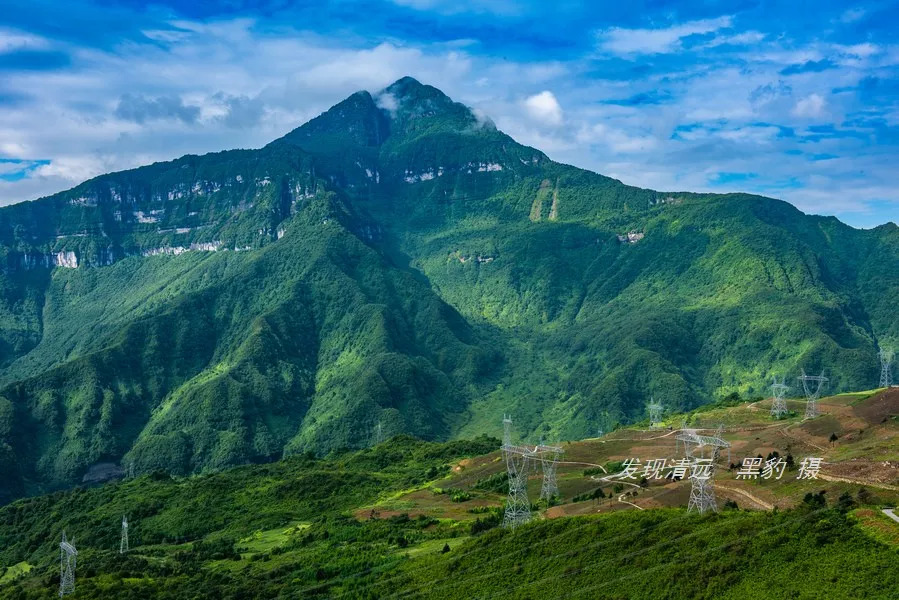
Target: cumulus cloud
x=387 y=101
x=738 y=39
x=11 y=169
x=670 y=108
x=656 y=41
x=241 y=111
x=810 y=107
x=141 y=109
x=769 y=92
x=853 y=14
x=544 y=108
x=11 y=40
x=617 y=140
x=483 y=119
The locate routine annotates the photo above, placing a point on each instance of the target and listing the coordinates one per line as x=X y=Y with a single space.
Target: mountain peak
x=409 y=89
x=414 y=106
x=405 y=107
x=356 y=120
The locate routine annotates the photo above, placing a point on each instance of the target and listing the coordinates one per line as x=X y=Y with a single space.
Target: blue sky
x=795 y=100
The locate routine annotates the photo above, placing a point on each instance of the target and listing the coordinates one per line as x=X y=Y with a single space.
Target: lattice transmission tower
x=702 y=469
x=702 y=492
x=779 y=404
x=123 y=545
x=812 y=385
x=68 y=560
x=519 y=460
x=549 y=458
x=886 y=367
x=518 y=507
x=378 y=432
x=507 y=430
x=656 y=410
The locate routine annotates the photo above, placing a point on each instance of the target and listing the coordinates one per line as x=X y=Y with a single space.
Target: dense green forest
x=286 y=530
x=413 y=267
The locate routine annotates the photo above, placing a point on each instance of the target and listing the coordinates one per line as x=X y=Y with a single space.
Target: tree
x=845 y=502
x=815 y=501
x=864 y=496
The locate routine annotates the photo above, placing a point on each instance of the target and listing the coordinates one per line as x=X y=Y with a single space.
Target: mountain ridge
x=403 y=263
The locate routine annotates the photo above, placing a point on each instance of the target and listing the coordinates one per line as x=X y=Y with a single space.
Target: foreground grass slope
x=306 y=528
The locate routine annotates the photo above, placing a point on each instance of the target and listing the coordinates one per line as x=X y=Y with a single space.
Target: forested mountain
x=398 y=260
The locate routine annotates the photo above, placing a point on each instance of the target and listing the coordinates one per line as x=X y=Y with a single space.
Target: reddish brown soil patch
x=878 y=408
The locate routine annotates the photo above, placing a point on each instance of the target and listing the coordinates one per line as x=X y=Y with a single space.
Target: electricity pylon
x=655 y=410
x=886 y=364
x=702 y=492
x=549 y=458
x=507 y=430
x=606 y=424
x=68 y=561
x=778 y=404
x=379 y=433
x=702 y=470
x=518 y=507
x=812 y=386
x=123 y=545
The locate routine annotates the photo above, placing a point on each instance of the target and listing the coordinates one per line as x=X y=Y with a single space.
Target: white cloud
x=853 y=14
x=16 y=40
x=617 y=140
x=739 y=39
x=10 y=168
x=656 y=41
x=707 y=116
x=387 y=101
x=860 y=50
x=75 y=169
x=451 y=7
x=810 y=107
x=544 y=108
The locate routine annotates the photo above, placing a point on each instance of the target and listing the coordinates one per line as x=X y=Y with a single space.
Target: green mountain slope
x=412 y=266
x=285 y=530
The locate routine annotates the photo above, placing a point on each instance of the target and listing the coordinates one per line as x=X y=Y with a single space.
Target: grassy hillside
x=409 y=519
x=414 y=267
